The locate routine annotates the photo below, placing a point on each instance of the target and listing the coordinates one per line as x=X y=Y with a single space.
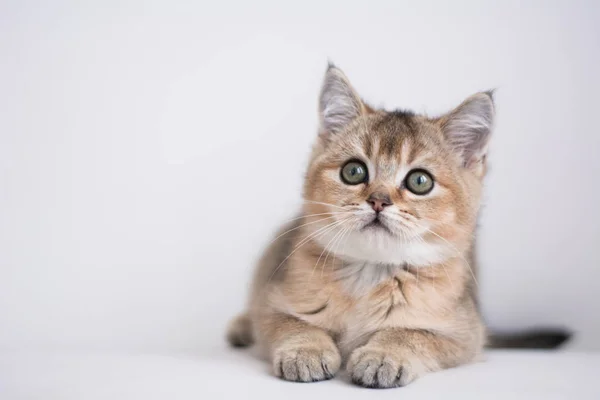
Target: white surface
x=232 y=375
x=149 y=149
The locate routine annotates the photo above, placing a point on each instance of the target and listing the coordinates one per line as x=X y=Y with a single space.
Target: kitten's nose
x=379 y=201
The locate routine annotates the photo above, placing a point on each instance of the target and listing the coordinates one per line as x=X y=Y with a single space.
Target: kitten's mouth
x=376 y=224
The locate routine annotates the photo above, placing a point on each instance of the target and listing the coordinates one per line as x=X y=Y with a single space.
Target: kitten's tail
x=533 y=339
x=239 y=333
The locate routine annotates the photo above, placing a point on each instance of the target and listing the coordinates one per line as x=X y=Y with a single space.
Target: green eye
x=354 y=172
x=419 y=182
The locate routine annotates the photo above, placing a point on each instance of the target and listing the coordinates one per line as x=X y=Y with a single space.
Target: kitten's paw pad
x=306 y=364
x=376 y=368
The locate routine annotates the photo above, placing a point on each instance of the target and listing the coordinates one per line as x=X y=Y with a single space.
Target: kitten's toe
x=306 y=364
x=376 y=368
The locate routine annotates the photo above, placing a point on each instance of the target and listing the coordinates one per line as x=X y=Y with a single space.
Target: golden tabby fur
x=389 y=290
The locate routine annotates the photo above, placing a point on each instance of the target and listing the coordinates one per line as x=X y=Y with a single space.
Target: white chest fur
x=358 y=278
x=385 y=249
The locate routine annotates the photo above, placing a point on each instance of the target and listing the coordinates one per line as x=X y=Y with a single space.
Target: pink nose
x=379 y=201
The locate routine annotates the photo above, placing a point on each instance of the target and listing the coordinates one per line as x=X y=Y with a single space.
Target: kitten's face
x=393 y=187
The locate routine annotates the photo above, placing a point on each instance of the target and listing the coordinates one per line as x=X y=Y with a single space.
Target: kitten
x=378 y=269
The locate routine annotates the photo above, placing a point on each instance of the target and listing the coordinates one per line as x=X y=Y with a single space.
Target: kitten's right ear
x=468 y=127
x=339 y=104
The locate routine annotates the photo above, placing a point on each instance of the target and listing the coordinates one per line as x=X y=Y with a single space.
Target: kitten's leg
x=298 y=351
x=396 y=357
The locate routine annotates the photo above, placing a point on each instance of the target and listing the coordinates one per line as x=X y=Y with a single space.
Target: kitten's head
x=392 y=186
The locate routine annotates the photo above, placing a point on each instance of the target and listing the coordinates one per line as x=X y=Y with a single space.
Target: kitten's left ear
x=468 y=127
x=339 y=104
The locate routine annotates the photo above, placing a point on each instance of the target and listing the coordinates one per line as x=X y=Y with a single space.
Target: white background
x=148 y=151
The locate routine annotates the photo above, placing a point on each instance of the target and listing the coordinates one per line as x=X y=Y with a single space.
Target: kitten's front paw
x=377 y=368
x=306 y=364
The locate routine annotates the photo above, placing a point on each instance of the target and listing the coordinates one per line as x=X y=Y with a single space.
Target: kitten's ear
x=468 y=127
x=339 y=103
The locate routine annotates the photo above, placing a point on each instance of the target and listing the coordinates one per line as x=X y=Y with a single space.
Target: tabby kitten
x=378 y=268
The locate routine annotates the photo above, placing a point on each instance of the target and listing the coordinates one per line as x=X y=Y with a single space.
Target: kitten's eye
x=354 y=172
x=419 y=182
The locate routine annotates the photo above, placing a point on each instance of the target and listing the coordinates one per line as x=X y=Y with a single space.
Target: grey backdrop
x=149 y=149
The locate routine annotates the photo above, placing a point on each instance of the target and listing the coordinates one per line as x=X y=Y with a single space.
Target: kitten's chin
x=377 y=227
x=377 y=244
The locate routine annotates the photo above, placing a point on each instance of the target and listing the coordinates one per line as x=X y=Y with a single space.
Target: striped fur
x=393 y=301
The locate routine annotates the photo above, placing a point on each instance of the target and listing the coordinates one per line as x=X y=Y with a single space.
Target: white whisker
x=316 y=215
x=300 y=226
x=458 y=252
x=326 y=246
x=311 y=236
x=336 y=244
